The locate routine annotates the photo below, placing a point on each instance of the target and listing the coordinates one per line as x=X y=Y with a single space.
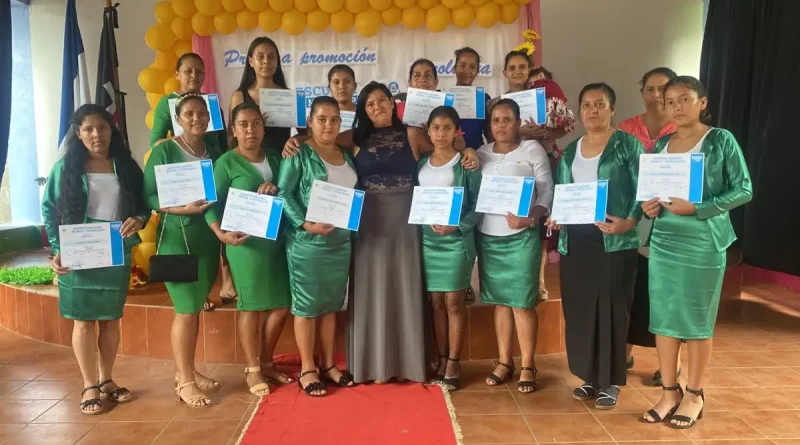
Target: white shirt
x=442 y=176
x=584 y=169
x=696 y=148
x=103 y=196
x=342 y=175
x=188 y=157
x=264 y=169
x=529 y=159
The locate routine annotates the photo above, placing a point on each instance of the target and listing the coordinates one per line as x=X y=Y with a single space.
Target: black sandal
x=345 y=380
x=654 y=414
x=509 y=374
x=584 y=392
x=119 y=395
x=527 y=386
x=84 y=405
x=313 y=386
x=440 y=377
x=659 y=381
x=453 y=383
x=681 y=418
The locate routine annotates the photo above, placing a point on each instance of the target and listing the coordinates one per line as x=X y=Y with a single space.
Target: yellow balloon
x=182 y=47
x=509 y=13
x=403 y=4
x=148 y=119
x=463 y=16
x=413 y=17
x=153 y=98
x=203 y=25
x=503 y=2
x=453 y=4
x=380 y=5
x=477 y=3
x=437 y=18
x=269 y=20
x=330 y=6
x=342 y=20
x=159 y=37
x=164 y=13
x=305 y=6
x=318 y=20
x=293 y=22
x=247 y=20
x=141 y=257
x=356 y=6
x=283 y=6
x=225 y=22
x=427 y=4
x=208 y=7
x=184 y=8
x=165 y=61
x=171 y=85
x=523 y=2
x=256 y=5
x=368 y=23
x=234 y=6
x=152 y=79
x=488 y=15
x=392 y=16
x=182 y=28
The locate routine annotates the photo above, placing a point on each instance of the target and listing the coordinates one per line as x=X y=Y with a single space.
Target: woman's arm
x=636 y=150
x=162 y=122
x=737 y=177
x=420 y=144
x=473 y=186
x=288 y=188
x=544 y=184
x=149 y=188
x=222 y=181
x=50 y=213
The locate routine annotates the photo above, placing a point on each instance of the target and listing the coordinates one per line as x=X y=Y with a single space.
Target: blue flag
x=75 y=78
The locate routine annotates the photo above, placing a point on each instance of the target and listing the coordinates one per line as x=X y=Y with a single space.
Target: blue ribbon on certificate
x=115 y=238
x=207 y=172
x=354 y=221
x=214 y=112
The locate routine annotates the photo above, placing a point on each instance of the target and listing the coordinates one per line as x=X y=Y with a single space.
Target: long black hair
x=696 y=86
x=249 y=74
x=362 y=125
x=72 y=200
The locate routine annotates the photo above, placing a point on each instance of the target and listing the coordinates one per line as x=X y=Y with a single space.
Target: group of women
x=407 y=285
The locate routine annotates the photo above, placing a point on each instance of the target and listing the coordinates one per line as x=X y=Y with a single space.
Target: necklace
x=190 y=152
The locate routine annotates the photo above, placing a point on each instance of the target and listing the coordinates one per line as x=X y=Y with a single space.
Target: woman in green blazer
x=181 y=228
x=258 y=265
x=598 y=267
x=96 y=181
x=318 y=254
x=687 y=249
x=448 y=252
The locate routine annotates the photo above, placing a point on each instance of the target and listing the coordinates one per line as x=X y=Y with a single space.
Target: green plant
x=28 y=275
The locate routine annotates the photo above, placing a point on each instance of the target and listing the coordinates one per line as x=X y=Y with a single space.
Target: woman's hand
x=616 y=226
x=193 y=208
x=651 y=208
x=552 y=225
x=320 y=229
x=131 y=226
x=680 y=206
x=265 y=116
x=531 y=131
x=470 y=159
x=57 y=267
x=443 y=230
x=267 y=188
x=291 y=148
x=519 y=222
x=232 y=238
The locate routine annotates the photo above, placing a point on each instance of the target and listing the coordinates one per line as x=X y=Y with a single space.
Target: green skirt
x=188 y=298
x=260 y=274
x=508 y=267
x=685 y=277
x=446 y=264
x=317 y=277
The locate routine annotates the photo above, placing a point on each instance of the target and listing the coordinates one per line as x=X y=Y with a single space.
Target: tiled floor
x=753 y=397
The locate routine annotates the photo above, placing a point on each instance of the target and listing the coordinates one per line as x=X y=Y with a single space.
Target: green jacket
x=619 y=164
x=294 y=186
x=726 y=184
x=162 y=126
x=50 y=212
x=471 y=182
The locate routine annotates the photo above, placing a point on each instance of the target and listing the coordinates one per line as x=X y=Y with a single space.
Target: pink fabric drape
x=202 y=47
x=530 y=17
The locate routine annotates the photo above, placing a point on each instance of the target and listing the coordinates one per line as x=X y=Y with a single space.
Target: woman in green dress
x=318 y=254
x=448 y=252
x=687 y=249
x=258 y=265
x=96 y=181
x=183 y=228
x=191 y=73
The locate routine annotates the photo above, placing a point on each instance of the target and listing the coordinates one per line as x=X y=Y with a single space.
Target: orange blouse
x=636 y=127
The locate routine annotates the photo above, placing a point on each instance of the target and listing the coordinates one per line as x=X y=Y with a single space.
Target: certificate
x=91 y=246
x=469 y=102
x=334 y=204
x=581 y=203
x=532 y=104
x=253 y=214
x=284 y=108
x=214 y=111
x=347 y=120
x=420 y=103
x=436 y=205
x=671 y=175
x=185 y=182
x=501 y=195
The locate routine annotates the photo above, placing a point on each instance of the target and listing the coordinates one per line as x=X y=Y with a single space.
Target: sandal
x=203 y=382
x=226 y=298
x=119 y=395
x=607 y=398
x=259 y=389
x=681 y=418
x=499 y=381
x=313 y=386
x=654 y=414
x=440 y=377
x=345 y=380
x=86 y=404
x=659 y=381
x=527 y=386
x=209 y=306
x=584 y=392
x=452 y=383
x=195 y=401
x=630 y=363
x=281 y=378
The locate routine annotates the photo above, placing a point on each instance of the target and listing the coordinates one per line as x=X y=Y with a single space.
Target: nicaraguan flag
x=74 y=79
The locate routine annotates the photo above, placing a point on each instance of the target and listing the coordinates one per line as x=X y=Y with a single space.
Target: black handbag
x=173 y=268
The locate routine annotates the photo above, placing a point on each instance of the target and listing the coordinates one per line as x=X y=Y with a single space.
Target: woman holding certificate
x=687 y=249
x=258 y=265
x=318 y=254
x=598 y=265
x=509 y=251
x=516 y=69
x=96 y=181
x=183 y=231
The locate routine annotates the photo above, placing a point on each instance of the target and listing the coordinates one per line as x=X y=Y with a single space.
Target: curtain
x=202 y=46
x=530 y=17
x=751 y=66
x=5 y=81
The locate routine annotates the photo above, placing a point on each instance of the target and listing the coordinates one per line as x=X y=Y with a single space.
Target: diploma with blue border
x=501 y=195
x=253 y=214
x=665 y=175
x=91 y=246
x=336 y=205
x=532 y=104
x=284 y=108
x=436 y=205
x=420 y=103
x=469 y=102
x=214 y=112
x=581 y=203
x=181 y=183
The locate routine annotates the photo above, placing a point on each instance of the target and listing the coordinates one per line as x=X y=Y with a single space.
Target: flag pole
x=119 y=99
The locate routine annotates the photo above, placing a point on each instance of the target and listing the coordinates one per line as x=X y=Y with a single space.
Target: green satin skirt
x=446 y=264
x=685 y=277
x=508 y=267
x=317 y=277
x=260 y=274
